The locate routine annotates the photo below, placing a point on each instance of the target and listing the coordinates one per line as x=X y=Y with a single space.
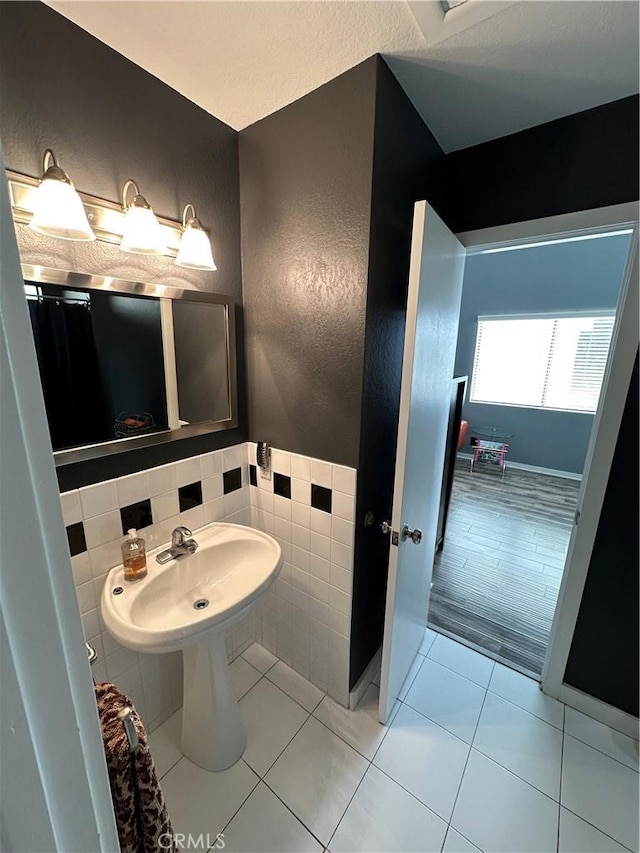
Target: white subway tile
x=344 y=479
x=300 y=558
x=101 y=529
x=81 y=567
x=250 y=452
x=341 y=579
x=319 y=589
x=301 y=491
x=318 y=609
x=214 y=510
x=164 y=506
x=235 y=501
x=105 y=557
x=321 y=473
x=232 y=457
x=341 y=555
x=319 y=670
x=343 y=505
x=281 y=462
x=282 y=528
x=300 y=536
x=91 y=623
x=133 y=488
x=320 y=545
x=192 y=518
x=71 y=509
x=320 y=522
x=340 y=622
x=299 y=579
x=300 y=514
x=320 y=568
x=243 y=516
x=265 y=500
x=282 y=507
x=340 y=601
x=300 y=467
x=161 y=479
x=188 y=471
x=99 y=498
x=212 y=488
x=211 y=464
x=342 y=531
x=86 y=597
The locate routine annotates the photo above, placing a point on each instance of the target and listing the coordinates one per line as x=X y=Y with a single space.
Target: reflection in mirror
x=202 y=369
x=101 y=363
x=116 y=364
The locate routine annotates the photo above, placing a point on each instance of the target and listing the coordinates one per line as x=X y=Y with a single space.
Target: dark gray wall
x=603 y=660
x=408 y=164
x=108 y=120
x=581 y=161
x=580 y=276
x=305 y=199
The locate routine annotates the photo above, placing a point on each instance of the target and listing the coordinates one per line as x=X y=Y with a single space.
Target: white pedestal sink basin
x=187 y=604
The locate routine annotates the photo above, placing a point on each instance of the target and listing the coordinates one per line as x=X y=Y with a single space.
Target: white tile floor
x=475 y=758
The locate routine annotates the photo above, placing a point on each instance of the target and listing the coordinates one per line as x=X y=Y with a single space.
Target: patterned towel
x=141 y=814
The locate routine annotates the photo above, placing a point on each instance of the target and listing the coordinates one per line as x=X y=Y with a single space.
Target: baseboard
x=365 y=680
x=535 y=469
x=607 y=714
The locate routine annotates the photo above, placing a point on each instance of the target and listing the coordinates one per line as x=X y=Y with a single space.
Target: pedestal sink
x=187 y=604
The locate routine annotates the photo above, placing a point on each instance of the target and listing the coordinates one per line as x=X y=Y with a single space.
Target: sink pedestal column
x=213 y=734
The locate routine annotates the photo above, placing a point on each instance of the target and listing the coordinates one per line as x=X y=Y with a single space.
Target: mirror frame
x=71 y=280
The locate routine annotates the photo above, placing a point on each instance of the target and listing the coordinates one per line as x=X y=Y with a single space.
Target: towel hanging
x=141 y=814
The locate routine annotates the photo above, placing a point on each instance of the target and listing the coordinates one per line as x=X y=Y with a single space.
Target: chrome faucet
x=181 y=545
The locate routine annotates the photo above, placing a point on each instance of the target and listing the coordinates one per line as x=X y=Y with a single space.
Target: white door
x=54 y=789
x=433 y=309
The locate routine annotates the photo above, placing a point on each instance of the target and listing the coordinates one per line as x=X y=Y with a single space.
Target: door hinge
x=576 y=517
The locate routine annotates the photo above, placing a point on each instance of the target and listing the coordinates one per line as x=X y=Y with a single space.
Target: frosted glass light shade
x=195 y=250
x=142 y=234
x=59 y=212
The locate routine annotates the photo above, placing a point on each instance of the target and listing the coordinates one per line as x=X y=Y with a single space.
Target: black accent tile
x=136 y=515
x=232 y=480
x=320 y=498
x=190 y=496
x=282 y=485
x=75 y=535
x=253 y=475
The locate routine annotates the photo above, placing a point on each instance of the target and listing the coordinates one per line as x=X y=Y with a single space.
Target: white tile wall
x=154 y=682
x=305 y=618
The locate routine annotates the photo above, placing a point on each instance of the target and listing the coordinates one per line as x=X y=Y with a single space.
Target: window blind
x=542 y=362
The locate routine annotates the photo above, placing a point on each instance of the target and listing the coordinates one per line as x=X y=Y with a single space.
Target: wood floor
x=496 y=581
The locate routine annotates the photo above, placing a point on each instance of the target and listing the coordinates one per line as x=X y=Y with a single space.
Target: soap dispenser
x=134 y=556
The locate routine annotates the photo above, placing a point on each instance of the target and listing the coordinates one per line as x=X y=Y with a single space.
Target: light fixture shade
x=195 y=248
x=58 y=209
x=142 y=233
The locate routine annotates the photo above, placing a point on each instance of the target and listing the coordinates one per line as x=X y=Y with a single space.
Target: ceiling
x=485 y=69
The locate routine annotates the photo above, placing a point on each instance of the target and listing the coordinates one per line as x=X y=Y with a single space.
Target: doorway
x=535 y=327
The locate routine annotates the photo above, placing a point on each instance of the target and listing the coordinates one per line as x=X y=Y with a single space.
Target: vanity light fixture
x=58 y=209
x=195 y=248
x=141 y=231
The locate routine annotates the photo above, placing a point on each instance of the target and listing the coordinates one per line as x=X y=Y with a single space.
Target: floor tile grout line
x=597 y=749
x=593 y=826
x=527 y=711
x=466 y=763
x=289 y=809
x=564 y=714
x=350 y=801
x=246 y=798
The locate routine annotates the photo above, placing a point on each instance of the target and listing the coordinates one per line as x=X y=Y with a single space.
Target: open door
x=433 y=309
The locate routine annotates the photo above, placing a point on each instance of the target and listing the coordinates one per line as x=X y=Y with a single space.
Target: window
x=542 y=362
